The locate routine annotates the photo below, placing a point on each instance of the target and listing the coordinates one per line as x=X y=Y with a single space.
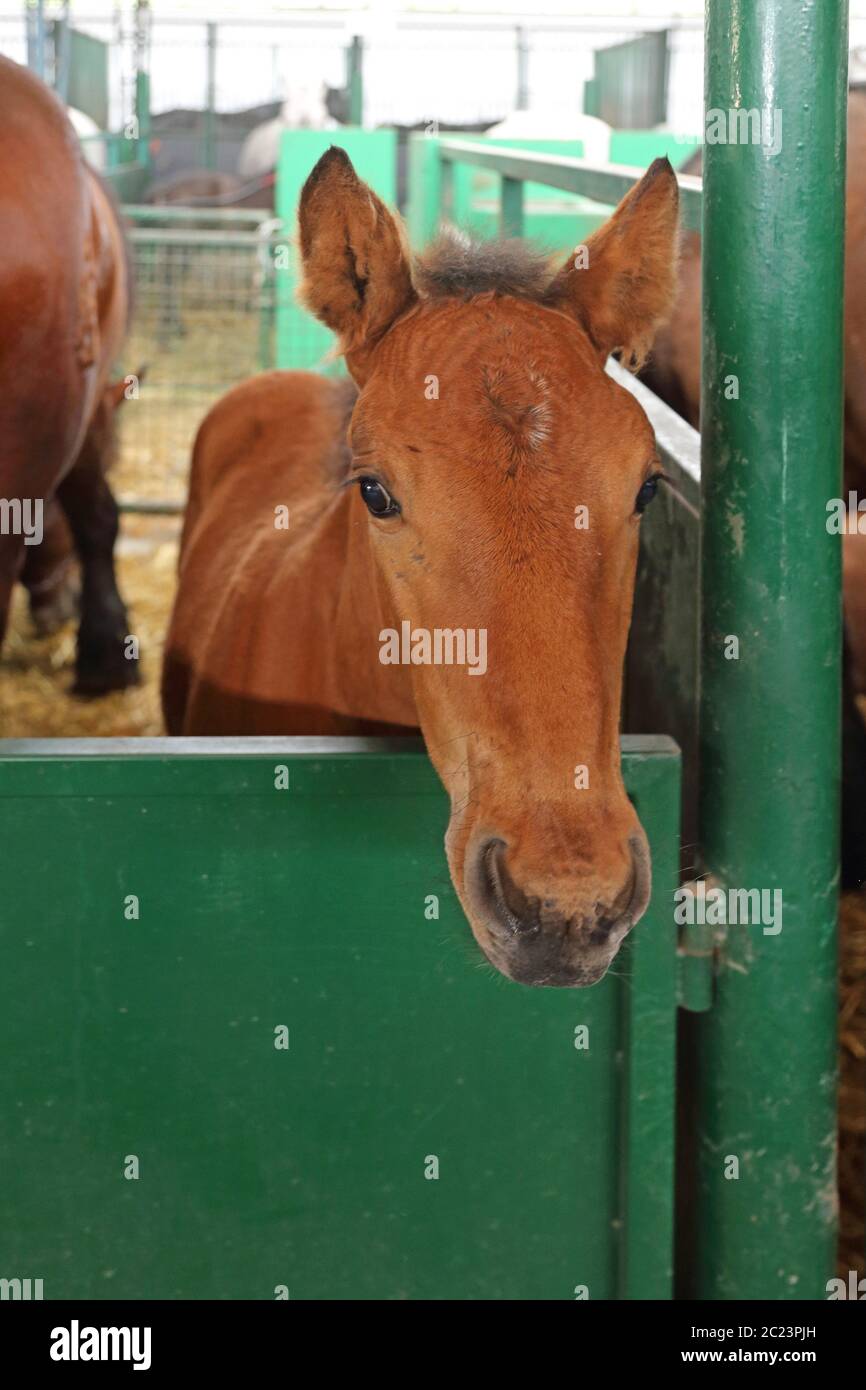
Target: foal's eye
x=377 y=499
x=647 y=493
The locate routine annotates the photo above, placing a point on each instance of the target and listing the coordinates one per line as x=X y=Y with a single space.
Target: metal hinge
x=698 y=956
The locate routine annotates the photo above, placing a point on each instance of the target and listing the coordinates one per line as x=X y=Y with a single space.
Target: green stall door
x=245 y=1058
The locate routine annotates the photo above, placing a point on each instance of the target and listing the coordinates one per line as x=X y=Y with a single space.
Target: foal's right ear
x=357 y=276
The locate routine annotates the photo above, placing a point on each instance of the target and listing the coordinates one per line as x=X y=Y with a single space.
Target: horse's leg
x=90 y=509
x=49 y=574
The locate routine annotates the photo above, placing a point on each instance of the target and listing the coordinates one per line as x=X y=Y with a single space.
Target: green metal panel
x=424 y=203
x=773 y=269
x=305 y=1167
x=86 y=71
x=301 y=341
x=630 y=83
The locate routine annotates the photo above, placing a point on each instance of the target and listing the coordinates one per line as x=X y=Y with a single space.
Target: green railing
x=163 y=213
x=600 y=183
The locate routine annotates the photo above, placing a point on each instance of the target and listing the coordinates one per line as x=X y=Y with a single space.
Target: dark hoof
x=102 y=681
x=102 y=667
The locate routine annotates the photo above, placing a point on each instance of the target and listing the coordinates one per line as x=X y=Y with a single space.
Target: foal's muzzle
x=533 y=940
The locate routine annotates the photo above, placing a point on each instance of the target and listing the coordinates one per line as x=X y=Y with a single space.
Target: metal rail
x=601 y=183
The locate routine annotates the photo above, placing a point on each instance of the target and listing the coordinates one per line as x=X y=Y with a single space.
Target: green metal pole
x=424 y=206
x=142 y=113
x=511 y=208
x=36 y=48
x=522 y=46
x=772 y=437
x=142 y=81
x=355 y=80
x=210 y=160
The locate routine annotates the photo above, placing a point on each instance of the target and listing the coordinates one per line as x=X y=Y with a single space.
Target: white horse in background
x=554 y=125
x=304 y=110
x=91 y=137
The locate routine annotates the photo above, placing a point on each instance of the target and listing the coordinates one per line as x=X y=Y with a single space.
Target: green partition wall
x=629 y=86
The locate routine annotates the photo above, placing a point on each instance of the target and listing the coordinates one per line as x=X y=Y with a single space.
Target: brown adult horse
x=499 y=476
x=674 y=373
x=64 y=301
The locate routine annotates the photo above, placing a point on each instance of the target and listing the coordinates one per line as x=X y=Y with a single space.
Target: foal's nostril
x=514 y=911
x=642 y=883
x=600 y=934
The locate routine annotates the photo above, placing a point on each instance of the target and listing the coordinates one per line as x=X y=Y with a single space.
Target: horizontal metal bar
x=679 y=445
x=154 y=212
x=602 y=183
x=266 y=745
x=590 y=23
x=151 y=506
x=175 y=236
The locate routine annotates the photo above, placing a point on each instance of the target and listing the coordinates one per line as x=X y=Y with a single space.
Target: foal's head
x=504 y=474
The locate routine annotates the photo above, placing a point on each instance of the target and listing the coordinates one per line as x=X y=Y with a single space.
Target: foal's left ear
x=621 y=284
x=357 y=276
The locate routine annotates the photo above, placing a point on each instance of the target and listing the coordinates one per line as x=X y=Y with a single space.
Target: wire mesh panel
x=203 y=319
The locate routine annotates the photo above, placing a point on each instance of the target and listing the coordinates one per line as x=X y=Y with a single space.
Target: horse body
x=64 y=301
x=484 y=432
x=674 y=373
x=233 y=664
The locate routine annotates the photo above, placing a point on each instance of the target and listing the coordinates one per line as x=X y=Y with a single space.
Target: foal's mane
x=455 y=265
